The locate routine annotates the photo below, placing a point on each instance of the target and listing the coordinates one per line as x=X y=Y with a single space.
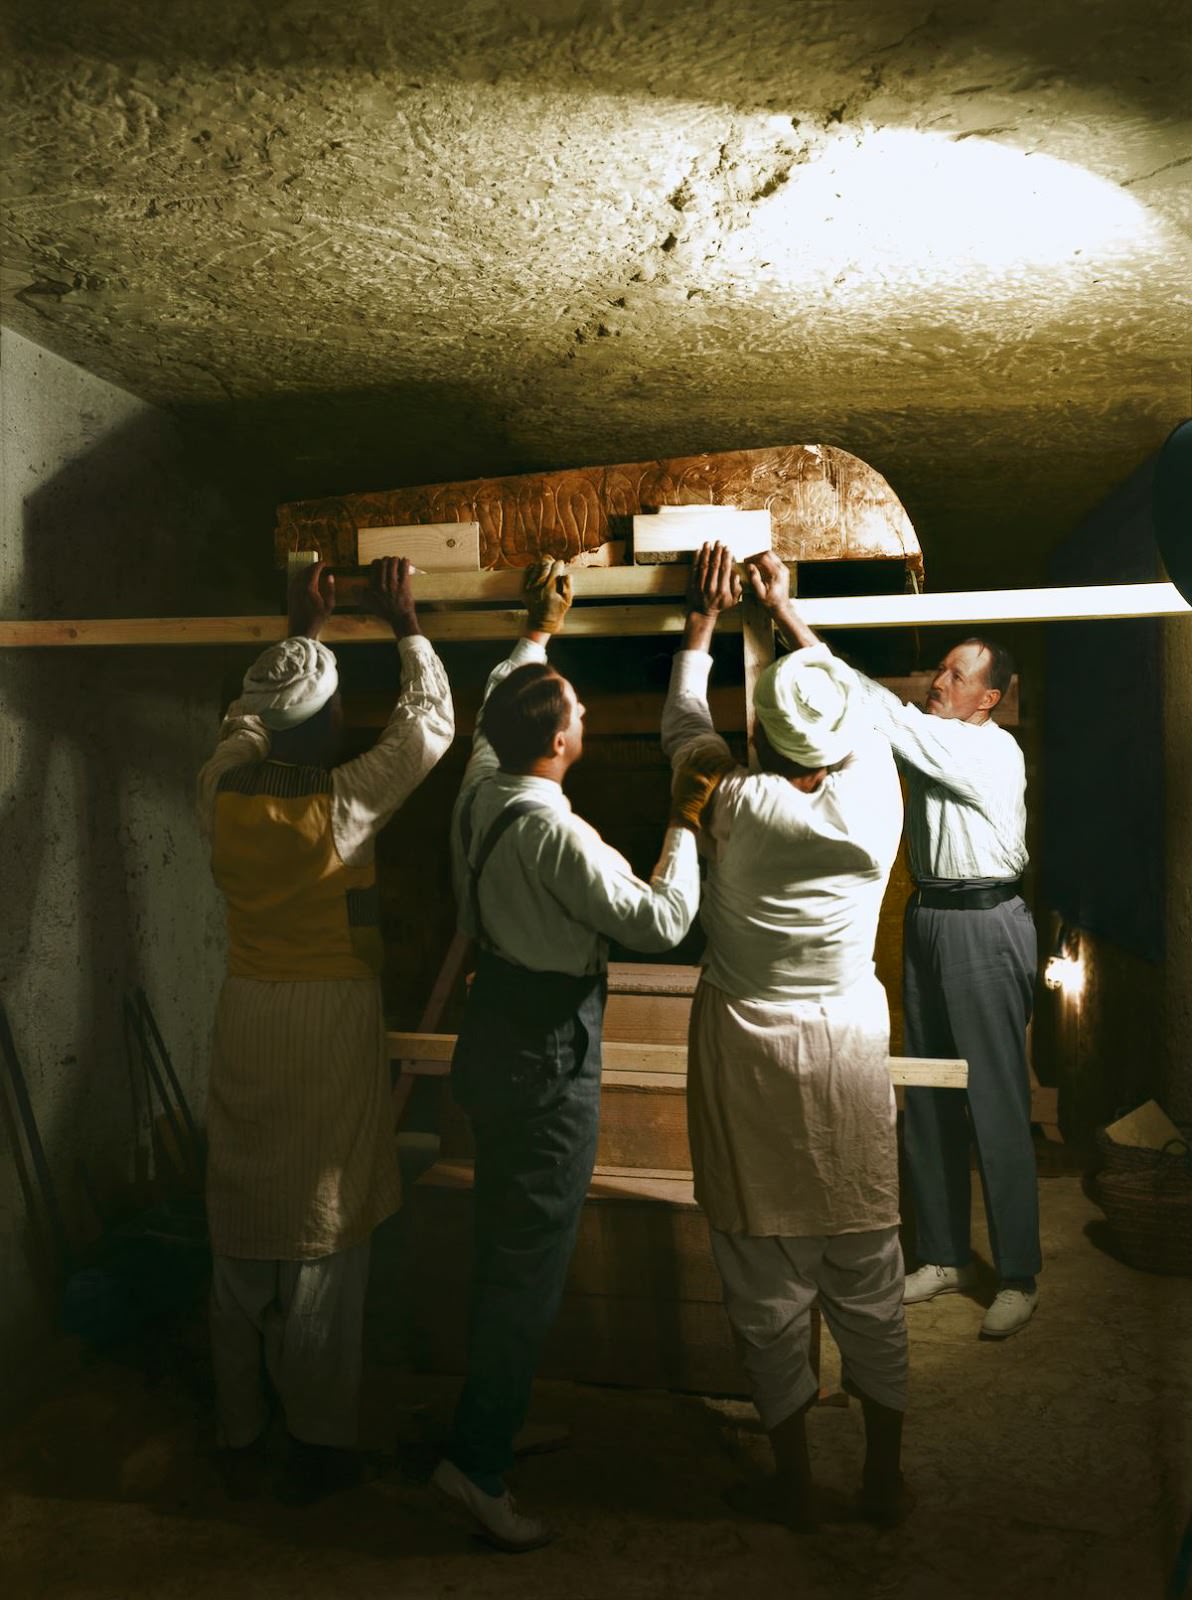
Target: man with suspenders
x=542 y=894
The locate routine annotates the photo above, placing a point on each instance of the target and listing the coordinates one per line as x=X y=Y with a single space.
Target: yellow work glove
x=695 y=783
x=548 y=596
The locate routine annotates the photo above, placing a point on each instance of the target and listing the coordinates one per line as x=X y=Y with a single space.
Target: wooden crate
x=642 y=1307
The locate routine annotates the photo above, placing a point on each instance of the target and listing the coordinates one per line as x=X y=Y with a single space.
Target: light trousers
x=770 y=1285
x=300 y=1323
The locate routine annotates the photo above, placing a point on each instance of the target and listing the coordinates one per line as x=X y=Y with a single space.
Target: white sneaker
x=501 y=1523
x=929 y=1281
x=1011 y=1310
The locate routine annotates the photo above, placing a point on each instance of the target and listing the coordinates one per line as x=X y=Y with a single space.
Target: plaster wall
x=105 y=883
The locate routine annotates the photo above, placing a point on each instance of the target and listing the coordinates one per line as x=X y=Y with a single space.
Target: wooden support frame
x=425 y=1054
x=476 y=597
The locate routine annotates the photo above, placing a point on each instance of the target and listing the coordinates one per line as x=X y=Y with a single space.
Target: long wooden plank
x=1085 y=603
x=432 y=1014
x=434 y=1047
x=757 y=636
x=664 y=1066
x=1088 y=603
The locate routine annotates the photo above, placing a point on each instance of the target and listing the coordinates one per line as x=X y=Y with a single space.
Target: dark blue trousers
x=527 y=1071
x=968 y=985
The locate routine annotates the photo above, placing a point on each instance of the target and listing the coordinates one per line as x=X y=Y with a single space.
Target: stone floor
x=1057 y=1464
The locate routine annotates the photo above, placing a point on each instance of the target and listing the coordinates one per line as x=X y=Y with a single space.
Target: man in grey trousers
x=969 y=963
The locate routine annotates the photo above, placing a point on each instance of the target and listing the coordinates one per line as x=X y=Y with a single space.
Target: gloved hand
x=695 y=783
x=548 y=596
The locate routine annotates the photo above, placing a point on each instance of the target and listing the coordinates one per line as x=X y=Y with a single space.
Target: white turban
x=802 y=702
x=290 y=682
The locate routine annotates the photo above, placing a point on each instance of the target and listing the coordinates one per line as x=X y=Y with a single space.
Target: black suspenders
x=492 y=838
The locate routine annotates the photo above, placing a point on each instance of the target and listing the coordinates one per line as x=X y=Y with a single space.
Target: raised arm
x=770 y=581
x=954 y=754
x=942 y=749
x=548 y=599
x=368 y=790
x=599 y=888
x=686 y=720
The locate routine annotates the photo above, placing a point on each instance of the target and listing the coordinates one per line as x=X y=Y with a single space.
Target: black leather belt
x=968 y=899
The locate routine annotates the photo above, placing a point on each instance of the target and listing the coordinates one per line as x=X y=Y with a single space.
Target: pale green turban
x=802 y=702
x=291 y=681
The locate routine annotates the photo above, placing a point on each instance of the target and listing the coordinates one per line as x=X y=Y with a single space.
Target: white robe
x=790 y=1106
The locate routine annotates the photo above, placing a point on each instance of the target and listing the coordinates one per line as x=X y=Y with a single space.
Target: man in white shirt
x=542 y=894
x=969 y=965
x=791 y=1109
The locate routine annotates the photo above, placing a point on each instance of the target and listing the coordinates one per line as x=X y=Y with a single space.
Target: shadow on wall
x=106 y=881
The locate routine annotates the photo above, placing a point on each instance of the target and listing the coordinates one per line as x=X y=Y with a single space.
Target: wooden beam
x=757 y=631
x=634 y=1064
x=1085 y=603
x=1092 y=603
x=444 y=985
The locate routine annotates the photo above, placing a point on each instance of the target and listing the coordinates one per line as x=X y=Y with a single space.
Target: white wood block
x=431 y=546
x=678 y=529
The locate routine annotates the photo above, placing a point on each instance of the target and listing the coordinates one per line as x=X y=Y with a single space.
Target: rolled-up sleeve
x=367 y=791
x=598 y=887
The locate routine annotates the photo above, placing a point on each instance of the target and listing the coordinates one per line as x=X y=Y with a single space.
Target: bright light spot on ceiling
x=896 y=204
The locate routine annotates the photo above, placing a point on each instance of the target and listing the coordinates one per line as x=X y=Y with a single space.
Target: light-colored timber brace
x=469 y=606
x=665 y=1065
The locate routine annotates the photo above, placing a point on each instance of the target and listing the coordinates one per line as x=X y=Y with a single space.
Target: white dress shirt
x=795 y=881
x=552 y=893
x=966 y=792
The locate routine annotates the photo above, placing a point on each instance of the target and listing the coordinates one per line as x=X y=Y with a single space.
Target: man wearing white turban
x=301 y=1164
x=968 y=970
x=790 y=1106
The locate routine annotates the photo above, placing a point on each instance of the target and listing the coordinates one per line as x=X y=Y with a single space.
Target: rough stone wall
x=105 y=883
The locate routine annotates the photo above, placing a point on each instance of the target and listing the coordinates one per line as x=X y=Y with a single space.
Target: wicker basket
x=1114 y=1157
x=1148 y=1203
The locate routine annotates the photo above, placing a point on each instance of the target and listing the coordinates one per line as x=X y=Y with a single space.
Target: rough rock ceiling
x=392 y=242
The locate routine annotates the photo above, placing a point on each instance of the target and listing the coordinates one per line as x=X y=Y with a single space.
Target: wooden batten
x=659 y=1066
x=1085 y=603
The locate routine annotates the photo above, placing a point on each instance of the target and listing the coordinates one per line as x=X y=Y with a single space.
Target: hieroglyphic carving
x=825 y=505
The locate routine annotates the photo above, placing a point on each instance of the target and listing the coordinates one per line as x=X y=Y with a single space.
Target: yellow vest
x=296 y=912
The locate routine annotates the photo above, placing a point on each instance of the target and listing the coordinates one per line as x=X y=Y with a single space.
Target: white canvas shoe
x=499 y=1520
x=1011 y=1310
x=929 y=1281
